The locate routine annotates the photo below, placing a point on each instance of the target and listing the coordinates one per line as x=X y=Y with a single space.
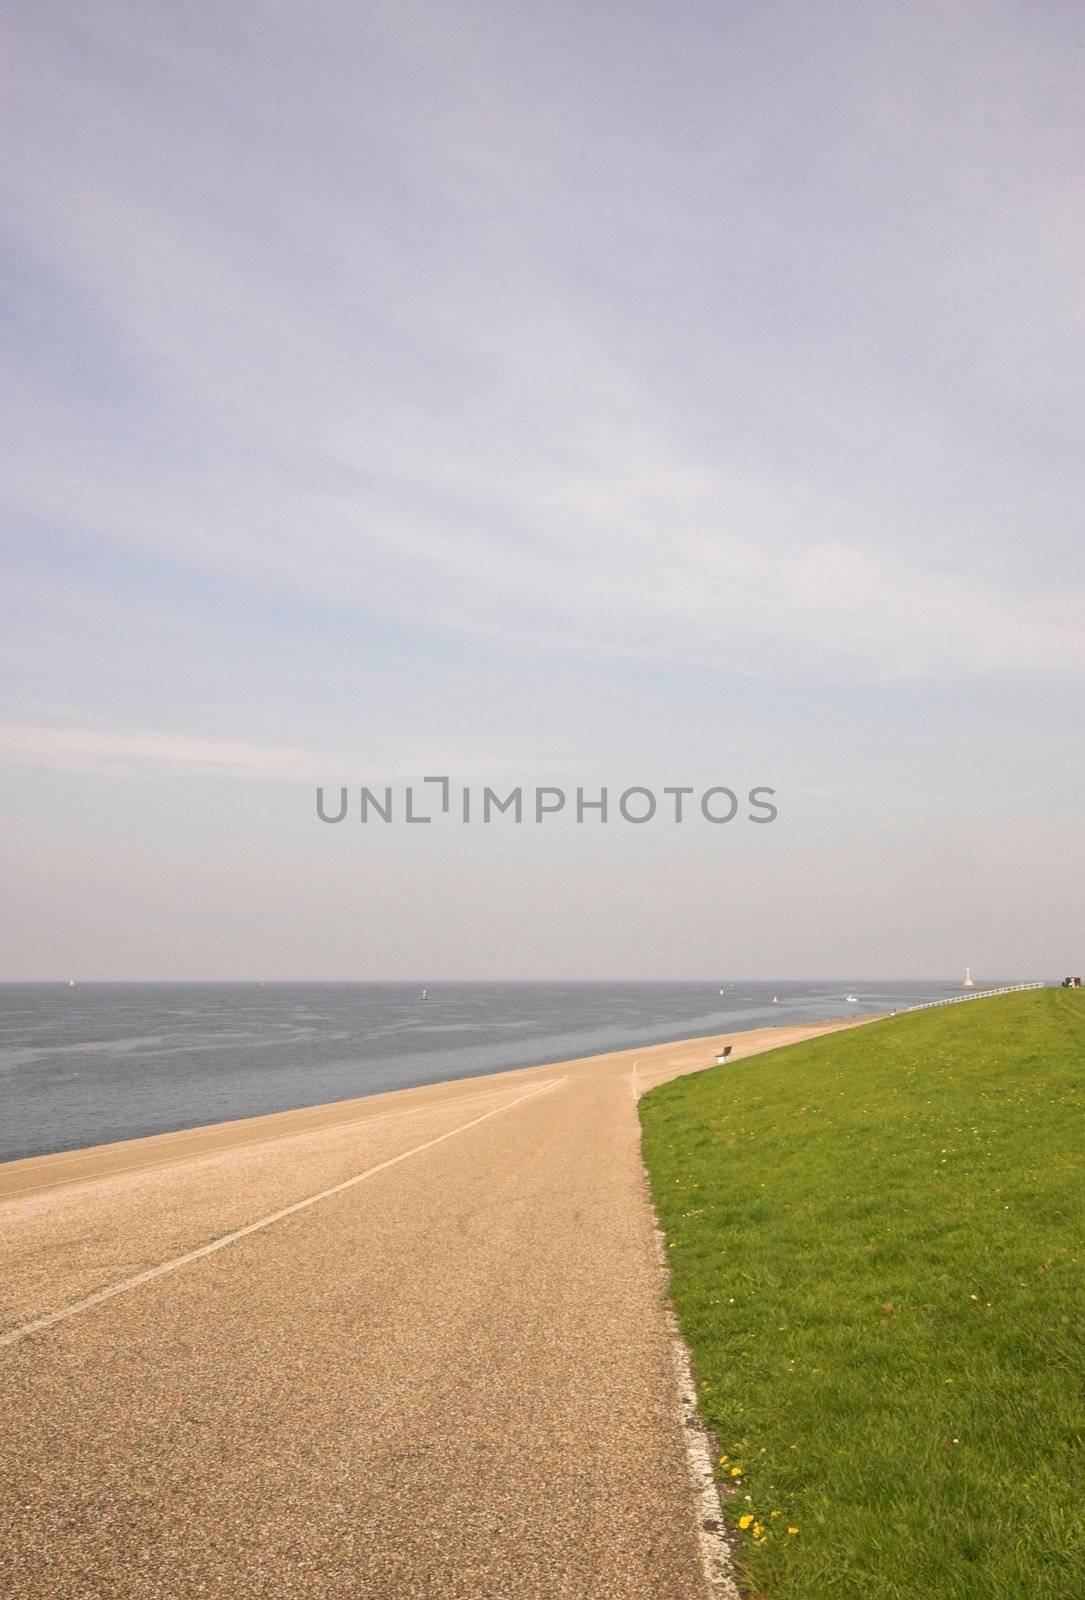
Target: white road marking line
x=354 y=1124
x=717 y=1561
x=41 y=1323
x=675 y=1068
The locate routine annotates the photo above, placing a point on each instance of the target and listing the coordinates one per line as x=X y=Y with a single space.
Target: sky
x=591 y=394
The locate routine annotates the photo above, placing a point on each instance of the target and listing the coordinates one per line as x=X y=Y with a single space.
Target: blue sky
x=572 y=394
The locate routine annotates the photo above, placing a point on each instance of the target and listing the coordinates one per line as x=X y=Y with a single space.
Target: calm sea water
x=84 y=1065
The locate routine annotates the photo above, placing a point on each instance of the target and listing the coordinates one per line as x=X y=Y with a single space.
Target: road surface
x=408 y=1346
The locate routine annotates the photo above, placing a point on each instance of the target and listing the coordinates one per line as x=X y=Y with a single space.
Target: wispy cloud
x=504 y=388
x=90 y=750
x=381 y=380
x=125 y=752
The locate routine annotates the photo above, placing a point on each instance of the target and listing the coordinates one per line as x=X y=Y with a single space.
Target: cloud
x=90 y=750
x=116 y=752
x=358 y=353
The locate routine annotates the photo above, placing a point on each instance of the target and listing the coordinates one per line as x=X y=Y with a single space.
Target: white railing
x=976 y=994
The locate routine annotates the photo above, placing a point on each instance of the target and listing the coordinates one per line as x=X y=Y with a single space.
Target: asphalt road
x=448 y=1378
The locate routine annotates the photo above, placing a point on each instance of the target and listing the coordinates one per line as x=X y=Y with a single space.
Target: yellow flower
x=744 y=1522
x=724 y=1460
x=973 y=1296
x=758 y=1531
x=775 y=1513
x=736 y=1472
x=792 y=1530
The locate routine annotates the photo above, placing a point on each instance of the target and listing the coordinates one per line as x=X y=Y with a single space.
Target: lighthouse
x=968 y=983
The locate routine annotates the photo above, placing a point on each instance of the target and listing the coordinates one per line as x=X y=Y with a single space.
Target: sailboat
x=425 y=996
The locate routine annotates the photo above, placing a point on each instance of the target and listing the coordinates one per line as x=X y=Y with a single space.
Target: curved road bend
x=447 y=1378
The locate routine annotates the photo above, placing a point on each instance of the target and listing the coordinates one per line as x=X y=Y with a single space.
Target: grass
x=875 y=1244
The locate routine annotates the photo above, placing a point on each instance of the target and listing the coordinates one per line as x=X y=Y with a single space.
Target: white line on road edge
x=13 y=1335
x=716 y=1558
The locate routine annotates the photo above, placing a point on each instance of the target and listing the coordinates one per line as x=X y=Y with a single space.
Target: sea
x=90 y=1063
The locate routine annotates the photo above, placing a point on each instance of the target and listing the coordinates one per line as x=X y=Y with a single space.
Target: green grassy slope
x=875 y=1241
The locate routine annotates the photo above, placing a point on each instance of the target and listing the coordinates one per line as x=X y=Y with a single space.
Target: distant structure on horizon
x=1071 y=983
x=968 y=983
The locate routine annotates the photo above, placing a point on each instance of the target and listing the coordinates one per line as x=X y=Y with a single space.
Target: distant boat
x=852 y=999
x=776 y=999
x=425 y=996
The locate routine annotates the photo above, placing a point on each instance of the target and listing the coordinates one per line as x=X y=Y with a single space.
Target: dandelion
x=792 y=1530
x=744 y=1522
x=736 y=1472
x=724 y=1460
x=758 y=1531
